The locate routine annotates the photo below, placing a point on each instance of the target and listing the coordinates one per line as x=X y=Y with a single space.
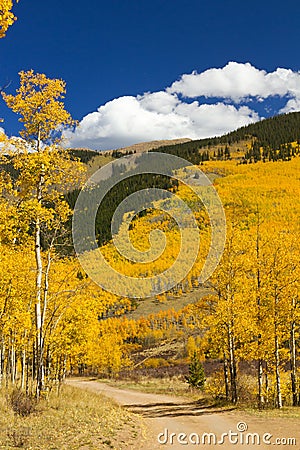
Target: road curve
x=176 y=423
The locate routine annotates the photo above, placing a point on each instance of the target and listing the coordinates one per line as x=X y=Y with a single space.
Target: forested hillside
x=275 y=139
x=266 y=137
x=250 y=318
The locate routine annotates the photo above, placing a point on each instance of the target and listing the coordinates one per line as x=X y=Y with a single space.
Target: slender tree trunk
x=232 y=366
x=276 y=353
x=64 y=371
x=38 y=315
x=48 y=366
x=27 y=375
x=259 y=320
x=7 y=366
x=293 y=365
x=266 y=384
x=33 y=366
x=260 y=384
x=277 y=373
x=13 y=363
x=23 y=368
x=2 y=355
x=226 y=377
x=39 y=278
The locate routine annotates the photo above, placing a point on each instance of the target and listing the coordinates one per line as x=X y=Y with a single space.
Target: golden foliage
x=7 y=17
x=39 y=103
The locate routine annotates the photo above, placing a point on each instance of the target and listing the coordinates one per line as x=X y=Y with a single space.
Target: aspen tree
x=231 y=315
x=46 y=171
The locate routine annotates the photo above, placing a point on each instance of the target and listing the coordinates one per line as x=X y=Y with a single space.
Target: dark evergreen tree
x=196 y=376
x=227 y=152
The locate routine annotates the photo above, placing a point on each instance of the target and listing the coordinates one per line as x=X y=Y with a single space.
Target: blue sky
x=142 y=70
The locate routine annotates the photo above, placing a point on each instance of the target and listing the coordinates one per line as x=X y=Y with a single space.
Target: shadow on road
x=198 y=408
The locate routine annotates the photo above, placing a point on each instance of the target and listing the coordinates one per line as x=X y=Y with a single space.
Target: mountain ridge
x=270 y=134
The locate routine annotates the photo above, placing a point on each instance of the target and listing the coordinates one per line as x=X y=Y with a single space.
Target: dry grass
x=288 y=412
x=76 y=419
x=174 y=386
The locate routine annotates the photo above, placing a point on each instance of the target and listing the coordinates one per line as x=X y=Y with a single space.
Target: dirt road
x=175 y=423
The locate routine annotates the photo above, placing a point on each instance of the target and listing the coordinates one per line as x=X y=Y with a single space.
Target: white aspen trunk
x=267 y=384
x=3 y=360
x=64 y=367
x=293 y=365
x=232 y=365
x=226 y=376
x=45 y=301
x=276 y=353
x=39 y=278
x=2 y=350
x=260 y=384
x=12 y=362
x=259 y=321
x=33 y=366
x=232 y=360
x=48 y=363
x=16 y=366
x=23 y=368
x=277 y=373
x=27 y=373
x=1 y=369
x=38 y=315
x=46 y=287
x=6 y=362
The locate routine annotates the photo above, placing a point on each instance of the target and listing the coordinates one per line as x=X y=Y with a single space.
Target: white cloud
x=13 y=143
x=128 y=120
x=292 y=105
x=237 y=81
x=167 y=115
x=160 y=102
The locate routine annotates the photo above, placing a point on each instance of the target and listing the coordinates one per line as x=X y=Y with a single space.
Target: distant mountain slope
x=146 y=146
x=270 y=134
x=95 y=159
x=84 y=154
